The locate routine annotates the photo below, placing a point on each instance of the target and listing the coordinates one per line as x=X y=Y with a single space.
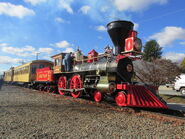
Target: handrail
x=93 y=58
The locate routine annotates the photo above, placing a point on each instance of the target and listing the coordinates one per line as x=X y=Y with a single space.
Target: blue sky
x=52 y=26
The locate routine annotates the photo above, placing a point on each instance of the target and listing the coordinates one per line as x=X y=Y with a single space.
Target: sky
x=48 y=27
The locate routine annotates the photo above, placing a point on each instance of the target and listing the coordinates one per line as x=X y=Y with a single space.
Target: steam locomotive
x=99 y=75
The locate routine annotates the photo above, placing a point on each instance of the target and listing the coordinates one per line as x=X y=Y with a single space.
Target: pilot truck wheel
x=97 y=96
x=120 y=99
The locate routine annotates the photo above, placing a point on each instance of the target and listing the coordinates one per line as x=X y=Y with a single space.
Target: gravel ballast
x=27 y=113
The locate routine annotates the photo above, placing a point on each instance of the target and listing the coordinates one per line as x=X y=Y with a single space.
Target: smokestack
x=118 y=32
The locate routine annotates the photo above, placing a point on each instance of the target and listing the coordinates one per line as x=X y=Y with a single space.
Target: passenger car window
x=41 y=66
x=33 y=69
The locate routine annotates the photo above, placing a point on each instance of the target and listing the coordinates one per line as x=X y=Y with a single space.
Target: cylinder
x=106 y=87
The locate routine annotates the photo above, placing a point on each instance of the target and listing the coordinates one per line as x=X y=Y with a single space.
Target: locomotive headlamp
x=133 y=43
x=138 y=44
x=129 y=68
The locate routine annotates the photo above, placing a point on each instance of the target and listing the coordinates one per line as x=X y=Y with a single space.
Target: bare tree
x=157 y=72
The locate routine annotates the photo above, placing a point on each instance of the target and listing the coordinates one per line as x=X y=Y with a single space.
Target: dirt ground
x=26 y=113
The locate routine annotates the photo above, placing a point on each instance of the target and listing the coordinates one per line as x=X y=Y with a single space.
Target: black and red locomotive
x=107 y=74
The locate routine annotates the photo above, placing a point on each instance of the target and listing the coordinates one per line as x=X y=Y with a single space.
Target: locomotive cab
x=58 y=63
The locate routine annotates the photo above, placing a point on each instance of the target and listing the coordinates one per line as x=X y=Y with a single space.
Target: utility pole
x=37 y=55
x=22 y=62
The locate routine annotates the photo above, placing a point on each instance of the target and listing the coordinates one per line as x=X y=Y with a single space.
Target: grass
x=173 y=98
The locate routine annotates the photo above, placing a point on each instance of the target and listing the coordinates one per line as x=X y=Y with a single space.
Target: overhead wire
x=166 y=14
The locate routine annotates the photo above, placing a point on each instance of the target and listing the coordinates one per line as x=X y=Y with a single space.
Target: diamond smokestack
x=118 y=32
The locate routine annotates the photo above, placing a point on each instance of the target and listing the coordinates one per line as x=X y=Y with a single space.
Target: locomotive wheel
x=61 y=84
x=121 y=99
x=46 y=89
x=97 y=96
x=40 y=88
x=76 y=83
x=52 y=90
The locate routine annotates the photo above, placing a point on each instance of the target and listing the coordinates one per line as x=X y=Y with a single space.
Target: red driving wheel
x=61 y=84
x=76 y=83
x=97 y=96
x=120 y=99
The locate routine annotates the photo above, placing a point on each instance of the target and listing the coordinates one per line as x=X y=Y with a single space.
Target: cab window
x=58 y=62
